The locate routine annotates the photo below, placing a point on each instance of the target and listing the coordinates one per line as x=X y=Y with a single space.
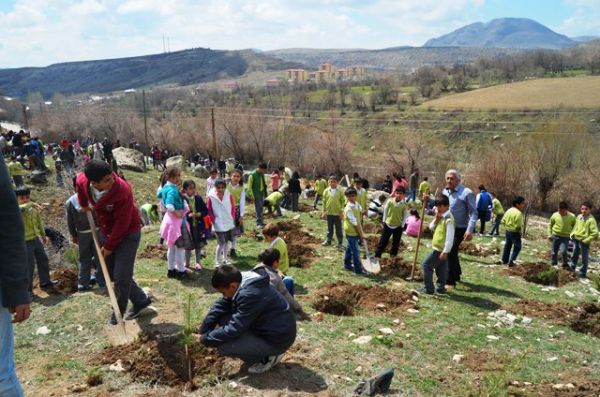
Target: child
x=236 y=188
x=498 y=212
x=295 y=189
x=333 y=209
x=513 y=223
x=424 y=188
x=484 y=207
x=149 y=214
x=273 y=201
x=413 y=223
x=443 y=238
x=320 y=186
x=376 y=207
x=16 y=171
x=119 y=222
x=354 y=232
x=275 y=180
x=58 y=167
x=271 y=233
x=257 y=190
x=81 y=234
x=221 y=209
x=34 y=237
x=252 y=321
x=394 y=215
x=584 y=232
x=195 y=220
x=210 y=181
x=361 y=195
x=173 y=228
x=559 y=232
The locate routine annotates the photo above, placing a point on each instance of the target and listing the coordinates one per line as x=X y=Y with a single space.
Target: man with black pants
x=462 y=207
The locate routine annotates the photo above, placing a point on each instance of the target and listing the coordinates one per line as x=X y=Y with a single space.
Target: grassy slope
x=446 y=325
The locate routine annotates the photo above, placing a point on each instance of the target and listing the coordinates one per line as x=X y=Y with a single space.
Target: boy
x=252 y=321
x=584 y=232
x=354 y=232
x=120 y=224
x=498 y=212
x=333 y=208
x=361 y=195
x=559 y=232
x=320 y=186
x=271 y=233
x=210 y=181
x=424 y=188
x=149 y=214
x=257 y=190
x=513 y=223
x=484 y=207
x=376 y=207
x=35 y=238
x=16 y=171
x=273 y=200
x=58 y=167
x=394 y=216
x=81 y=234
x=443 y=239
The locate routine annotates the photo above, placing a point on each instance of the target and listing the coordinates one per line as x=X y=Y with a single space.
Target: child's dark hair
x=220 y=181
x=13 y=157
x=400 y=190
x=587 y=204
x=236 y=171
x=269 y=256
x=382 y=198
x=74 y=180
x=163 y=178
x=271 y=230
x=189 y=183
x=213 y=171
x=425 y=178
x=224 y=275
x=332 y=177
x=481 y=187
x=563 y=205
x=415 y=213
x=172 y=172
x=358 y=180
x=518 y=200
x=23 y=191
x=95 y=170
x=350 y=191
x=319 y=176
x=262 y=166
x=442 y=200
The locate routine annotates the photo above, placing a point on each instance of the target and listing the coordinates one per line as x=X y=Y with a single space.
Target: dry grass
x=580 y=92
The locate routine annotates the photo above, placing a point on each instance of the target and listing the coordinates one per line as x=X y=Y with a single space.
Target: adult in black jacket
x=295 y=190
x=252 y=321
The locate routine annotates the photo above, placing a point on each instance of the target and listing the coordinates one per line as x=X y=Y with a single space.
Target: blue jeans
x=511 y=239
x=559 y=244
x=9 y=383
x=584 y=248
x=352 y=255
x=259 y=201
x=496 y=228
x=412 y=194
x=432 y=263
x=289 y=284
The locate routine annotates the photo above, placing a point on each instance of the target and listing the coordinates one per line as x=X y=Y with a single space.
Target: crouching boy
x=252 y=321
x=443 y=238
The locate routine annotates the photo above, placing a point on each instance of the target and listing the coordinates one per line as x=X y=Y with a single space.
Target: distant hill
x=584 y=39
x=178 y=68
x=504 y=33
x=402 y=59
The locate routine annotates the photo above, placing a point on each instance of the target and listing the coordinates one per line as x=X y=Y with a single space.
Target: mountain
x=504 y=33
x=176 y=68
x=584 y=39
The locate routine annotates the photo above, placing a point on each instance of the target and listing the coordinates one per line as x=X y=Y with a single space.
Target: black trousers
x=388 y=232
x=454 y=270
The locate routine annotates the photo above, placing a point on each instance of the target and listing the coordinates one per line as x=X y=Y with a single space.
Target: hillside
x=178 y=68
x=504 y=33
x=575 y=92
x=402 y=59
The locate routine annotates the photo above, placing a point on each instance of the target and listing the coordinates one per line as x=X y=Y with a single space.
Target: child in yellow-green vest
x=16 y=171
x=394 y=215
x=361 y=195
x=443 y=239
x=513 y=223
x=271 y=233
x=236 y=188
x=498 y=213
x=584 y=232
x=559 y=233
x=257 y=190
x=35 y=238
x=333 y=208
x=320 y=186
x=354 y=232
x=273 y=203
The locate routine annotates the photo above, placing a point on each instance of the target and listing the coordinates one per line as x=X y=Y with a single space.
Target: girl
x=195 y=218
x=174 y=227
x=413 y=223
x=221 y=209
x=236 y=189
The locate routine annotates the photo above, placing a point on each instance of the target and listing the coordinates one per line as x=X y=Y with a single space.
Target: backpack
x=485 y=201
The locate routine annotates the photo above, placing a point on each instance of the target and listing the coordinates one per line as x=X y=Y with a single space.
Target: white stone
x=351 y=335
x=457 y=358
x=386 y=331
x=412 y=311
x=415 y=298
x=79 y=327
x=129 y=159
x=232 y=385
x=570 y=386
x=551 y=359
x=569 y=294
x=363 y=340
x=526 y=320
x=117 y=367
x=380 y=306
x=358 y=369
x=176 y=161
x=558 y=386
x=396 y=321
x=43 y=330
x=492 y=337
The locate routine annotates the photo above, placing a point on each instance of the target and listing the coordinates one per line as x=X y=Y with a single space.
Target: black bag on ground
x=377 y=384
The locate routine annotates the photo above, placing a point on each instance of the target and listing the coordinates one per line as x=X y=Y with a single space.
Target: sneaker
x=441 y=290
x=49 y=284
x=136 y=310
x=425 y=291
x=581 y=275
x=93 y=280
x=265 y=365
x=341 y=247
x=81 y=288
x=350 y=269
x=232 y=253
x=172 y=273
x=182 y=275
x=326 y=243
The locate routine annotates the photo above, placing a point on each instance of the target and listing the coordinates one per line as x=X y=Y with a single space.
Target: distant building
x=230 y=86
x=326 y=73
x=296 y=75
x=272 y=83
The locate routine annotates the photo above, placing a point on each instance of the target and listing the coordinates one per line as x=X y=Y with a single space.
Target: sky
x=43 y=32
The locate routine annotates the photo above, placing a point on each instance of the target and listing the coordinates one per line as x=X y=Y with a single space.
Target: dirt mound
x=301 y=255
x=556 y=312
x=344 y=299
x=573 y=388
x=373 y=228
x=66 y=280
x=483 y=361
x=53 y=213
x=162 y=360
x=588 y=321
x=470 y=248
x=373 y=242
x=299 y=242
x=398 y=267
x=153 y=252
x=542 y=273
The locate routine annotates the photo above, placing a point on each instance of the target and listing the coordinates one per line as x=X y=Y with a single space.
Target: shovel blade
x=122 y=334
x=371 y=266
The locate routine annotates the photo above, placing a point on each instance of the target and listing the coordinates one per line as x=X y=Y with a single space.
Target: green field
x=324 y=360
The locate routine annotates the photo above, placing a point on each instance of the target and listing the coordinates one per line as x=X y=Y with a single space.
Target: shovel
x=370 y=266
x=124 y=332
x=422 y=220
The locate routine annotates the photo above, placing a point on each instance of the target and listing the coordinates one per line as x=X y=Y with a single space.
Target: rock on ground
x=178 y=161
x=200 y=171
x=129 y=159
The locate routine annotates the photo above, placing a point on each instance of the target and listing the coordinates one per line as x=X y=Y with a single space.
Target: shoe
x=326 y=243
x=136 y=310
x=341 y=247
x=184 y=275
x=172 y=273
x=361 y=273
x=441 y=290
x=350 y=269
x=93 y=280
x=581 y=275
x=81 y=288
x=511 y=265
x=49 y=284
x=265 y=365
x=197 y=267
x=113 y=320
x=232 y=253
x=425 y=291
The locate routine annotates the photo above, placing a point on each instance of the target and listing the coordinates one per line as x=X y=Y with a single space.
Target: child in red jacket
x=119 y=222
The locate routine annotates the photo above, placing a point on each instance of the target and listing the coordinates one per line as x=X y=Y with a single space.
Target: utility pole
x=214 y=134
x=145 y=124
x=25 y=118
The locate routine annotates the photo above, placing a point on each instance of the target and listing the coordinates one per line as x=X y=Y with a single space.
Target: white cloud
x=584 y=19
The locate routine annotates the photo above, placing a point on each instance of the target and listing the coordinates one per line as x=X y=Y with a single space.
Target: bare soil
x=533 y=272
x=470 y=248
x=372 y=228
x=53 y=213
x=301 y=251
x=345 y=299
x=153 y=252
x=482 y=361
x=66 y=280
x=398 y=267
x=588 y=321
x=582 y=388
